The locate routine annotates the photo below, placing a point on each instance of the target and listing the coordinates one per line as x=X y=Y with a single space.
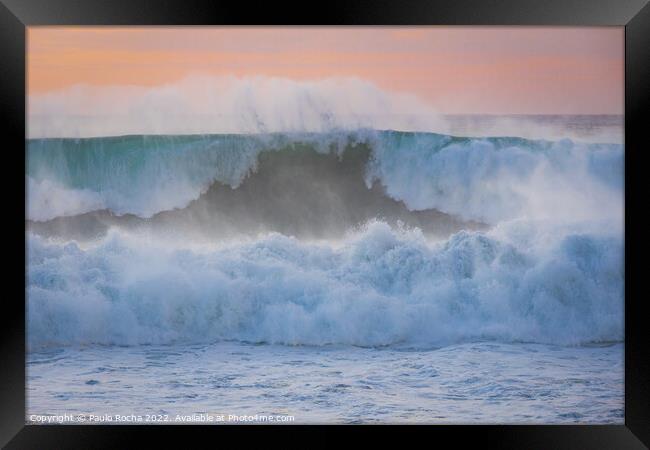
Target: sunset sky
x=89 y=81
x=502 y=70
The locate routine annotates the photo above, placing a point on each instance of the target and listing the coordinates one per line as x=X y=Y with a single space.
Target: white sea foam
x=501 y=179
x=49 y=199
x=522 y=281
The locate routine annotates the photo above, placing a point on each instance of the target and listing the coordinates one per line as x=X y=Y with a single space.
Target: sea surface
x=474 y=383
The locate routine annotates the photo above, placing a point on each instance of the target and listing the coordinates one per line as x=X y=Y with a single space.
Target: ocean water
x=350 y=276
x=486 y=383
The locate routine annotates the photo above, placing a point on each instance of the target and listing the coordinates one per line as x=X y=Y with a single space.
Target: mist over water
x=201 y=104
x=603 y=128
x=222 y=105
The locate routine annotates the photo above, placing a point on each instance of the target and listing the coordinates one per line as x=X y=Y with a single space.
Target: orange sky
x=501 y=70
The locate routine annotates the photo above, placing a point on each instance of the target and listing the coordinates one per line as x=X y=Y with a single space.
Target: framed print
x=244 y=221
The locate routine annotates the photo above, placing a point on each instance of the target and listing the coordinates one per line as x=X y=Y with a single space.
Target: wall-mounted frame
x=634 y=15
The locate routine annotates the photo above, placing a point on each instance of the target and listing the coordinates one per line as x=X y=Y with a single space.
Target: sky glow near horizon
x=120 y=80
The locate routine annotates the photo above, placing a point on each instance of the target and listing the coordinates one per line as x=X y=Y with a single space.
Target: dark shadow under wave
x=294 y=191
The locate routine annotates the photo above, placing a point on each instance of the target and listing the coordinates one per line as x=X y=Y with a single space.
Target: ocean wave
x=481 y=179
x=496 y=179
x=528 y=281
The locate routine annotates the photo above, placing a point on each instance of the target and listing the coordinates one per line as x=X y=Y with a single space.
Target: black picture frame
x=16 y=15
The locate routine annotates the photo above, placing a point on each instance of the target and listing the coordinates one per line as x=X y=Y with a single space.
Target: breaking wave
x=360 y=237
x=519 y=282
x=481 y=179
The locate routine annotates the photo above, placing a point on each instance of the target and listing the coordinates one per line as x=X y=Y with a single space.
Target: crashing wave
x=480 y=179
x=520 y=282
